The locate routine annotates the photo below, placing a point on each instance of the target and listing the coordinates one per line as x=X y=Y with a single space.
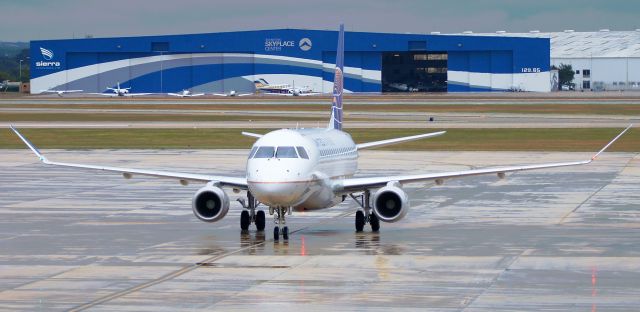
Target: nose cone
x=278 y=193
x=277 y=184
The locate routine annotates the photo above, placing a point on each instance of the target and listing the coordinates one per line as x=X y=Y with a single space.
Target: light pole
x=21 y=70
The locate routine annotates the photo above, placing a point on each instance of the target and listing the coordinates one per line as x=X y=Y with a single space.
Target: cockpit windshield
x=286 y=152
x=302 y=152
x=265 y=152
x=279 y=152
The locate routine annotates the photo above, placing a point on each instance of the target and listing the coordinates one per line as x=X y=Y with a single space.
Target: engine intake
x=210 y=203
x=390 y=203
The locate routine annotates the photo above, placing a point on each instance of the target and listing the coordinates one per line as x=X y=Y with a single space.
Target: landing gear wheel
x=245 y=220
x=260 y=220
x=285 y=233
x=276 y=234
x=374 y=222
x=359 y=221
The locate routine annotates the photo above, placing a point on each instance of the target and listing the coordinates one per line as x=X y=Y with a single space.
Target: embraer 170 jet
x=309 y=169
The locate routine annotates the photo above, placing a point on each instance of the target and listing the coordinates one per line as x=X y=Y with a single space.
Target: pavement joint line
x=561 y=222
x=188 y=268
x=496 y=277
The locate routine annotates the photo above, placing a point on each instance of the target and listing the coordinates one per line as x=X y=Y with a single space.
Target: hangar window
x=417 y=45
x=437 y=57
x=160 y=46
x=586 y=73
x=419 y=57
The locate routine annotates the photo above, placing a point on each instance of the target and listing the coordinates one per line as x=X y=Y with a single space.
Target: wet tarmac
x=557 y=239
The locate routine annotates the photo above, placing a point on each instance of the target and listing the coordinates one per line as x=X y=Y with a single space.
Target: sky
x=24 y=20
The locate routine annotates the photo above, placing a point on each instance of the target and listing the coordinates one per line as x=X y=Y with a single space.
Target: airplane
x=60 y=93
x=186 y=93
x=282 y=89
x=117 y=91
x=231 y=93
x=310 y=169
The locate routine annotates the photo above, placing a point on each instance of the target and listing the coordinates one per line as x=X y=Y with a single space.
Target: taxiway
x=558 y=239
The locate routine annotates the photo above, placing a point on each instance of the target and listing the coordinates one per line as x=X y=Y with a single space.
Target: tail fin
x=336 y=106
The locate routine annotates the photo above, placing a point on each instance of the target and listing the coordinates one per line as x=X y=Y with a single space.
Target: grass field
x=583 y=109
x=133 y=117
x=454 y=140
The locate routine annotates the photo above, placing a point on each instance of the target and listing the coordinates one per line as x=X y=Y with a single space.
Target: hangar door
x=414 y=71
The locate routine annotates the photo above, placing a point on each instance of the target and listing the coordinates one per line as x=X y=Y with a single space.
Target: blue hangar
x=238 y=61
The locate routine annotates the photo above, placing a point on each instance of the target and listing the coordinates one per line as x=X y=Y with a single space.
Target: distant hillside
x=10 y=55
x=11 y=49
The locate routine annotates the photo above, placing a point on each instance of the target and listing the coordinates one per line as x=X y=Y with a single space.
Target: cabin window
x=286 y=152
x=302 y=152
x=265 y=152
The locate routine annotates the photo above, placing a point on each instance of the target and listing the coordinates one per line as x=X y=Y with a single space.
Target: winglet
x=29 y=144
x=608 y=144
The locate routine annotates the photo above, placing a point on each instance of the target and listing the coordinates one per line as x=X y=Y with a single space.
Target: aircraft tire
x=260 y=220
x=245 y=220
x=359 y=221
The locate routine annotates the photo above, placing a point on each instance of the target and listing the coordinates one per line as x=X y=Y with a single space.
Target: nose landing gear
x=279 y=214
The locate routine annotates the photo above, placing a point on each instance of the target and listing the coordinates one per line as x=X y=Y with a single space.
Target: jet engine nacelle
x=210 y=203
x=390 y=203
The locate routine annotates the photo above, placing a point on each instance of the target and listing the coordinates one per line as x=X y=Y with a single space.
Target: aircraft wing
x=244 y=94
x=354 y=184
x=235 y=182
x=219 y=94
x=175 y=94
x=399 y=140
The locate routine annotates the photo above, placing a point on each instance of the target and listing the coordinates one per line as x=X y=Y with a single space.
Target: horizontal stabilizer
x=249 y=134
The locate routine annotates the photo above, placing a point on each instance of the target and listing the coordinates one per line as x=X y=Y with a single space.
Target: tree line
x=10 y=66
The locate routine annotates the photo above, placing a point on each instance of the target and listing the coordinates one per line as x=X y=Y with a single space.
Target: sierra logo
x=48 y=56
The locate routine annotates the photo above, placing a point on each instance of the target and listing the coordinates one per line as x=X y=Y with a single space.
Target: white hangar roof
x=573 y=44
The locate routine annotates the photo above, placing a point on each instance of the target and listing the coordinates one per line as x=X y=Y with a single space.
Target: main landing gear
x=365 y=216
x=279 y=214
x=250 y=215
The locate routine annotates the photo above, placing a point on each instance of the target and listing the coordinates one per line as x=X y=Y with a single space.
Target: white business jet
x=282 y=89
x=231 y=93
x=117 y=91
x=309 y=169
x=60 y=93
x=186 y=93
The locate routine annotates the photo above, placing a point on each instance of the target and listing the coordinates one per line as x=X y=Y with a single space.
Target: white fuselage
x=280 y=175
